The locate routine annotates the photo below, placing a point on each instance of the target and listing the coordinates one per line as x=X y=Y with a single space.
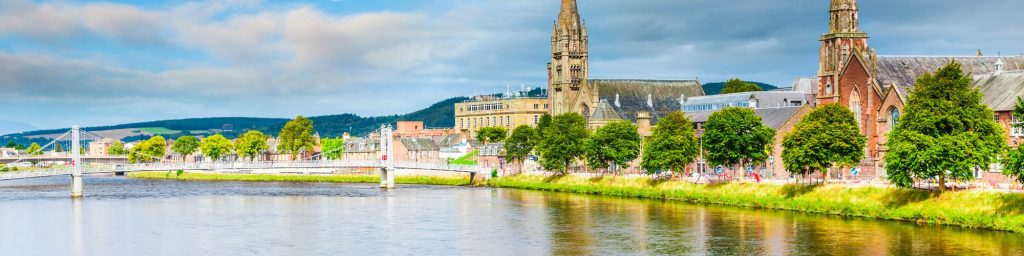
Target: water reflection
x=122 y=216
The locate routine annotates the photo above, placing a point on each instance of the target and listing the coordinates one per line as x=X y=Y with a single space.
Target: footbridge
x=80 y=165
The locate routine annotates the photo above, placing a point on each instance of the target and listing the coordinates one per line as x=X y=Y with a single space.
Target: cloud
x=106 y=63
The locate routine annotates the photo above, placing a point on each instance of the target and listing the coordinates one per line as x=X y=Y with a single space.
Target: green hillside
x=716 y=88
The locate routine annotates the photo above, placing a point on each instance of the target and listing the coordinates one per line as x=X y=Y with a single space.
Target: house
x=417 y=150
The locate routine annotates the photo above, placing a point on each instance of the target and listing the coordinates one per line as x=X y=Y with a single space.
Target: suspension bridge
x=79 y=165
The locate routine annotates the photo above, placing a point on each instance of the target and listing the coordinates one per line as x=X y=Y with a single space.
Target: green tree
x=185 y=145
x=543 y=122
x=34 y=149
x=296 y=137
x=491 y=134
x=828 y=136
x=736 y=136
x=251 y=144
x=57 y=147
x=736 y=85
x=148 y=151
x=1013 y=161
x=519 y=145
x=671 y=146
x=215 y=147
x=945 y=132
x=332 y=148
x=562 y=142
x=117 y=149
x=612 y=145
x=14 y=145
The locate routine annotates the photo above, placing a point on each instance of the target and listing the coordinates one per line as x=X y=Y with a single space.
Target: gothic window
x=894 y=117
x=828 y=89
x=856 y=108
x=585 y=111
x=846 y=54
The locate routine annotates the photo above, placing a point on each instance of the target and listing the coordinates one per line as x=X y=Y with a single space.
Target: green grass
x=467 y=159
x=971 y=209
x=353 y=178
x=158 y=131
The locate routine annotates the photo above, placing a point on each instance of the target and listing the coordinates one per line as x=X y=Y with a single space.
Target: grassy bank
x=353 y=178
x=972 y=209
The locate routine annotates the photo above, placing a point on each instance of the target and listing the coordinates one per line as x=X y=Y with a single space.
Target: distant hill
x=716 y=88
x=440 y=114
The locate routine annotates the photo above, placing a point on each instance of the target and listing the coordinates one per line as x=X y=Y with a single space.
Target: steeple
x=843 y=40
x=568 y=69
x=844 y=17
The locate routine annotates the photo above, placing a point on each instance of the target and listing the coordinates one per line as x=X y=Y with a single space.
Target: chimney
x=617 y=105
x=650 y=101
x=643 y=123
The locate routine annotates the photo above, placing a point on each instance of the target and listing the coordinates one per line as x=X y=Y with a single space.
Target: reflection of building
x=875 y=88
x=508 y=112
x=571 y=91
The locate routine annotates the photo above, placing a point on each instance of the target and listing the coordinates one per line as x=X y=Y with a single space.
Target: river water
x=123 y=216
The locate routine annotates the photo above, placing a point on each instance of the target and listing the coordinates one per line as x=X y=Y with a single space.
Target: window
x=545 y=106
x=828 y=89
x=856 y=108
x=536 y=106
x=1015 y=126
x=894 y=118
x=536 y=120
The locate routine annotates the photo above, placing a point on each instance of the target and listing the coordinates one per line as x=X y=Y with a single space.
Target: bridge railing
x=250 y=165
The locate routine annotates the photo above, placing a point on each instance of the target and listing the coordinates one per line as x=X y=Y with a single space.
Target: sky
x=109 y=62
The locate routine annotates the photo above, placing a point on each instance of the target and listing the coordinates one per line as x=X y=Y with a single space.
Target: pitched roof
x=1000 y=91
x=808 y=85
x=771 y=117
x=604 y=112
x=447 y=141
x=361 y=145
x=419 y=144
x=493 y=149
x=904 y=70
x=630 y=96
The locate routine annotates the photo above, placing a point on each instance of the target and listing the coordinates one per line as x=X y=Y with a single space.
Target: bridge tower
x=76 y=162
x=387 y=150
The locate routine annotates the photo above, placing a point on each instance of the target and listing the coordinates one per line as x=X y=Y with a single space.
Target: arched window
x=856 y=108
x=894 y=117
x=828 y=89
x=585 y=111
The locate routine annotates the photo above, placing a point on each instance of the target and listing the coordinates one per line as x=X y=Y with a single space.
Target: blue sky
x=109 y=62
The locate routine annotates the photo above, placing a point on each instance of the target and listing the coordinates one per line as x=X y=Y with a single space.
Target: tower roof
x=569 y=17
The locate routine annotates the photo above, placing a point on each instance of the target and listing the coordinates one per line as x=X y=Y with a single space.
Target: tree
x=57 y=147
x=945 y=132
x=522 y=141
x=34 y=149
x=736 y=85
x=296 y=137
x=14 y=145
x=117 y=149
x=215 y=147
x=543 y=122
x=251 y=144
x=612 y=145
x=332 y=148
x=671 y=146
x=491 y=134
x=828 y=136
x=1013 y=161
x=185 y=145
x=736 y=136
x=148 y=151
x=562 y=142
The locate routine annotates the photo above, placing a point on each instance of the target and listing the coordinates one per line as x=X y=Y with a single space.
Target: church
x=875 y=87
x=570 y=90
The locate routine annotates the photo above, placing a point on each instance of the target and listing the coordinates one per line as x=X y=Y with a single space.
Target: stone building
x=406 y=129
x=509 y=112
x=571 y=91
x=875 y=88
x=416 y=150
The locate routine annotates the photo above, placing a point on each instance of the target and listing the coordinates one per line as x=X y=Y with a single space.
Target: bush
x=494 y=173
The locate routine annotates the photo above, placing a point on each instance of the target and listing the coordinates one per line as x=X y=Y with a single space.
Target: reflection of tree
x=569 y=223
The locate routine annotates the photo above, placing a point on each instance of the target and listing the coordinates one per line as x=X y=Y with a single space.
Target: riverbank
x=971 y=209
x=341 y=178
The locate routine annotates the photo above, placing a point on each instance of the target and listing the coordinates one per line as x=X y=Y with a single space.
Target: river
x=123 y=216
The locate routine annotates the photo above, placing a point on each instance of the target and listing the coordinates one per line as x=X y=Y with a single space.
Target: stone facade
x=569 y=66
x=508 y=112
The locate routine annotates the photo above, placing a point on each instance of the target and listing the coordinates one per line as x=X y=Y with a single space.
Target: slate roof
x=1000 y=91
x=768 y=99
x=419 y=144
x=808 y=85
x=448 y=141
x=361 y=145
x=604 y=111
x=633 y=93
x=771 y=117
x=904 y=70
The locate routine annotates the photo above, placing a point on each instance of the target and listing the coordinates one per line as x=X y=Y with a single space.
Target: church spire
x=844 y=17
